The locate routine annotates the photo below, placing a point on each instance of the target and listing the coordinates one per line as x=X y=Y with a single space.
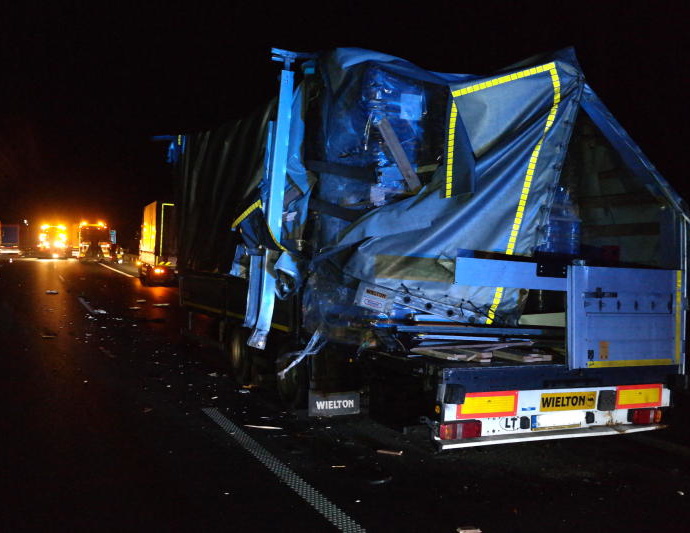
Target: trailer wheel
x=293 y=387
x=241 y=355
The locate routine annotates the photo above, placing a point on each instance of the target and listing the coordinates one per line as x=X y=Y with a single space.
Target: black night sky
x=83 y=87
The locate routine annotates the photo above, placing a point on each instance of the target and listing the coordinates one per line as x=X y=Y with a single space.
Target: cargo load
x=464 y=242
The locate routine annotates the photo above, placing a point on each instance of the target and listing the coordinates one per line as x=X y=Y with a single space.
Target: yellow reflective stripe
x=246 y=213
x=163 y=206
x=275 y=240
x=551 y=67
x=529 y=173
x=274 y=325
x=451 y=147
x=491 y=314
x=631 y=362
x=679 y=314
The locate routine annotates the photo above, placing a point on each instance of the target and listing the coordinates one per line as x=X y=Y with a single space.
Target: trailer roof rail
x=287 y=57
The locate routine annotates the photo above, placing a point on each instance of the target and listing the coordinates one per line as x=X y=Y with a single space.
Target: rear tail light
x=645 y=416
x=158 y=270
x=460 y=430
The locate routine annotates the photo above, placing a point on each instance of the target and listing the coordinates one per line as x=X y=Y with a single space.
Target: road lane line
x=313 y=497
x=86 y=305
x=61 y=278
x=116 y=270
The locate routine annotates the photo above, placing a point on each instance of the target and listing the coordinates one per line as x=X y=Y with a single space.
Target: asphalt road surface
x=112 y=421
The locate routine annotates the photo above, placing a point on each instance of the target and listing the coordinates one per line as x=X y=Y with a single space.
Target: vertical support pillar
x=273 y=206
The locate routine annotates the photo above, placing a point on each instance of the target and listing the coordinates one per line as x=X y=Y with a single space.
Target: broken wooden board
x=522 y=357
x=454 y=354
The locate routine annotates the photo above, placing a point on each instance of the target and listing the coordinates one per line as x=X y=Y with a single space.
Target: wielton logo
x=568 y=402
x=335 y=404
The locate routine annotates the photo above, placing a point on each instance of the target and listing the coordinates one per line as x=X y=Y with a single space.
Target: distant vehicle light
x=59 y=244
x=159 y=270
x=42 y=237
x=55 y=256
x=45 y=226
x=62 y=227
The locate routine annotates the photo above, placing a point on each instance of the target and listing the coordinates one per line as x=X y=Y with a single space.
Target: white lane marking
x=116 y=270
x=86 y=305
x=61 y=278
x=313 y=497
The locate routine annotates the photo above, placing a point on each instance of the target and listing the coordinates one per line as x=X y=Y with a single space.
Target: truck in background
x=95 y=241
x=158 y=244
x=10 y=240
x=53 y=242
x=490 y=256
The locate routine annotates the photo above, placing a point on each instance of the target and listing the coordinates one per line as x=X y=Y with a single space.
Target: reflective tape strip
x=452 y=121
x=486 y=404
x=629 y=362
x=529 y=174
x=679 y=315
x=246 y=213
x=275 y=240
x=629 y=396
x=313 y=497
x=279 y=327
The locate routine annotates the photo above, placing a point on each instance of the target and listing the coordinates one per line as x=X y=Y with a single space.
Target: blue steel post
x=256 y=261
x=273 y=207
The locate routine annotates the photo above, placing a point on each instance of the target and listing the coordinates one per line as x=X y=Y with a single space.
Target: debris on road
x=100 y=311
x=51 y=291
x=213 y=374
x=390 y=452
x=107 y=352
x=147 y=410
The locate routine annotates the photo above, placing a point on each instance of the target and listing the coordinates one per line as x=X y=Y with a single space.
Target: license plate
x=567 y=401
x=558 y=420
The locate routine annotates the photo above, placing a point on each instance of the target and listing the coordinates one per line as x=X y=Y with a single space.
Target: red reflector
x=460 y=430
x=448 y=431
x=471 y=429
x=646 y=416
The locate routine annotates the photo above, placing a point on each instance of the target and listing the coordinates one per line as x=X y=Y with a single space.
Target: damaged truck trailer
x=491 y=256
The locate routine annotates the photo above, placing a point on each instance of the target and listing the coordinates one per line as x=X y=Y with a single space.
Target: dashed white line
x=86 y=305
x=116 y=270
x=313 y=497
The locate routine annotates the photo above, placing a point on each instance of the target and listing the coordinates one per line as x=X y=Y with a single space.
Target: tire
x=241 y=355
x=293 y=388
